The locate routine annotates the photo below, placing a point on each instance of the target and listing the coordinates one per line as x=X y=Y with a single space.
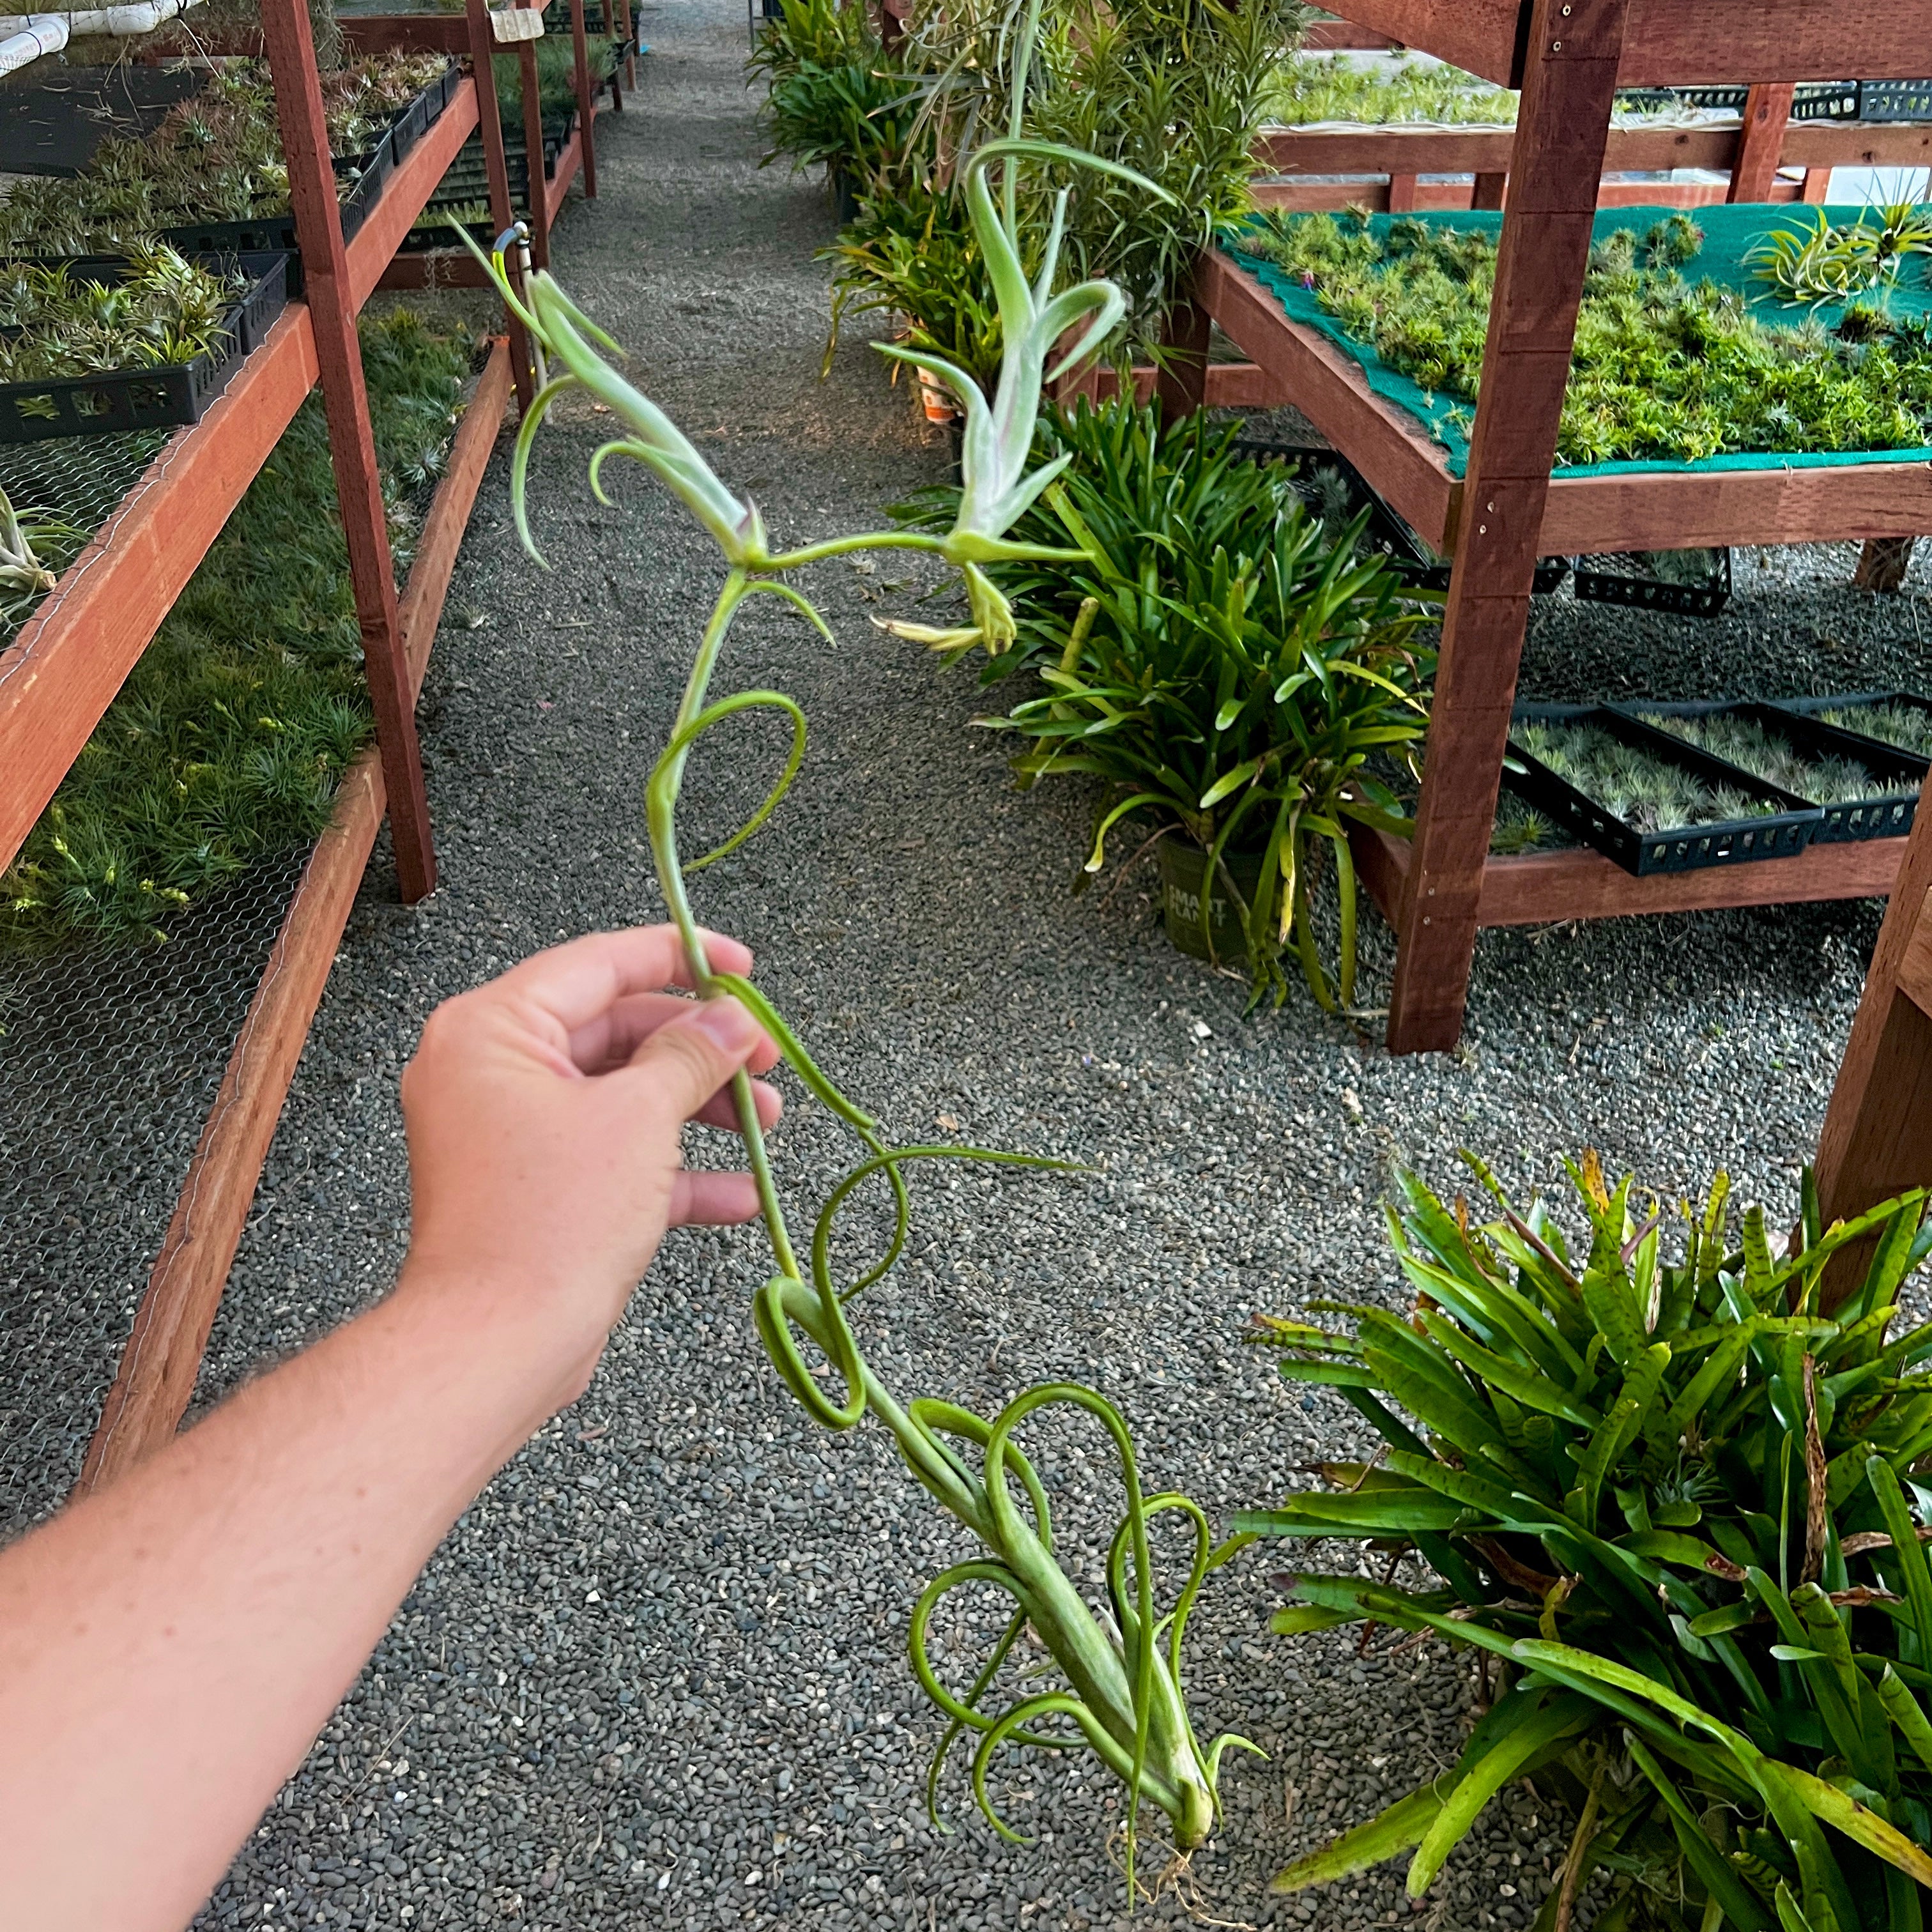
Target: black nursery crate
x=1598 y=582
x=422 y=114
x=1777 y=835
x=1860 y=745
x=1408 y=555
x=111 y=403
x=1813 y=100
x=1895 y=101
x=1847 y=819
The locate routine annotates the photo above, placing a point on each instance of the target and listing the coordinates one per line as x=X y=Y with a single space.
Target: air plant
x=1754 y=748
x=1632 y=783
x=22 y=572
x=1122 y=1695
x=163 y=309
x=1819 y=261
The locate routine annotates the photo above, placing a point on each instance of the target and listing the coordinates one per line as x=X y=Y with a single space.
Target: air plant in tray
x=1121 y=1694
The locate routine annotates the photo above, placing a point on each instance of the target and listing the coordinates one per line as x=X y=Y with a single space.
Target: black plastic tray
x=1895 y=101
x=1778 y=834
x=1876 y=817
x=1857 y=744
x=1597 y=585
x=1814 y=100
x=119 y=400
x=1412 y=559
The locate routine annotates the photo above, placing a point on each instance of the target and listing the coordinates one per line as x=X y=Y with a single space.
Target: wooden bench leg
x=1569 y=81
x=1883 y=562
x=1490 y=190
x=1402 y=194
x=1180 y=378
x=1767 y=115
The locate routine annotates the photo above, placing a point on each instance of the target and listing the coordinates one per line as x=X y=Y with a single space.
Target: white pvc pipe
x=34 y=34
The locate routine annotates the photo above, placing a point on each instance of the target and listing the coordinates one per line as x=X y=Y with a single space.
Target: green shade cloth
x=1729 y=231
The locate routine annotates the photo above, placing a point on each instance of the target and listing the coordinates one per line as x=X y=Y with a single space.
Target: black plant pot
x=1183 y=867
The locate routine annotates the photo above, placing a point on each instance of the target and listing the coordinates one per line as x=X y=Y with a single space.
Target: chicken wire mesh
x=64 y=491
x=110 y=1058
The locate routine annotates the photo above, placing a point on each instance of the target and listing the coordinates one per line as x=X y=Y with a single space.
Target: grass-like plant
x=1663 y=368
x=835 y=96
x=1333 y=87
x=1904 y=725
x=1677 y=1499
x=1764 y=754
x=226 y=743
x=164 y=310
x=1120 y=1692
x=1631 y=782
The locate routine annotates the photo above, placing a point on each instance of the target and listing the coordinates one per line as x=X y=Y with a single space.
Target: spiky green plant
x=1752 y=746
x=1676 y=1498
x=1817 y=261
x=1904 y=725
x=1631 y=782
x=1121 y=1695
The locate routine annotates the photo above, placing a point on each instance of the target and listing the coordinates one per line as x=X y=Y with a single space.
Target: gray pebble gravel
x=655 y=1677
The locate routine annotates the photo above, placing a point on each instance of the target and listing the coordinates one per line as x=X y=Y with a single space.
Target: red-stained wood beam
x=586 y=97
x=62 y=670
x=1386 y=444
x=1767 y=115
x=496 y=173
x=159 y=1366
x=1569 y=82
x=1687 y=42
x=1481 y=35
x=532 y=97
x=330 y=295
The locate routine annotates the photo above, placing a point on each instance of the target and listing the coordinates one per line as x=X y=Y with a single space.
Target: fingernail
x=731 y=1027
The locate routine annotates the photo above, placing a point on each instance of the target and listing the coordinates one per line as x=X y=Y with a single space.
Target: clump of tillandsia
x=1122 y=1693
x=22 y=572
x=1679 y=1500
x=1823 y=261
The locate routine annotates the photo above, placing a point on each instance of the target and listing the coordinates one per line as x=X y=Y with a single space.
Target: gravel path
x=655 y=1677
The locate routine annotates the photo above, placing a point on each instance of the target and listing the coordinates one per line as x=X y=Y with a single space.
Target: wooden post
x=497 y=171
x=359 y=485
x=1883 y=562
x=533 y=146
x=1180 y=375
x=586 y=99
x=1570 y=75
x=1767 y=115
x=1489 y=191
x=1402 y=194
x=1817 y=185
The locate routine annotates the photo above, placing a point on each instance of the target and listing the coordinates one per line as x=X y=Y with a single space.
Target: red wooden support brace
x=533 y=146
x=1490 y=189
x=1180 y=377
x=587 y=97
x=497 y=171
x=1570 y=78
x=1402 y=199
x=358 y=486
x=1767 y=115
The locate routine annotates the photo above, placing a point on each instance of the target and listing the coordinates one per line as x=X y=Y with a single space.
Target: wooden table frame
x=1569 y=57
x=66 y=664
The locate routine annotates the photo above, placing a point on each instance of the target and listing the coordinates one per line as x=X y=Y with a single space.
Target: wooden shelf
x=1675 y=43
x=63 y=669
x=1642 y=510
x=1546 y=888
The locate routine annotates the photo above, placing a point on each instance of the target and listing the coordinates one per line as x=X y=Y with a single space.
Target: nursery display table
x=64 y=668
x=1495 y=513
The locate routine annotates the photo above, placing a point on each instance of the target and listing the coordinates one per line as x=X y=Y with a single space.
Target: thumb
x=688 y=1058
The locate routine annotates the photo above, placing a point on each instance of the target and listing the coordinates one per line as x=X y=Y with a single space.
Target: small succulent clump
x=54 y=322
x=1904 y=725
x=1632 y=784
x=1519 y=827
x=1746 y=743
x=1664 y=369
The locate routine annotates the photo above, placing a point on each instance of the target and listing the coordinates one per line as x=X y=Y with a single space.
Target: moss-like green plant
x=1121 y=1694
x=1904 y=725
x=1333 y=87
x=1747 y=744
x=164 y=310
x=1631 y=783
x=1663 y=367
x=226 y=743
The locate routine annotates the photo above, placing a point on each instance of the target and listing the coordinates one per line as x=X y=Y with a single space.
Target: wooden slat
x=1692 y=42
x=556 y=188
x=1384 y=443
x=1297 y=196
x=1460 y=150
x=1479 y=34
x=1767 y=115
x=162 y=1360
x=390 y=33
x=1331 y=36
x=1541 y=888
x=1914 y=968
x=1657 y=510
x=62 y=670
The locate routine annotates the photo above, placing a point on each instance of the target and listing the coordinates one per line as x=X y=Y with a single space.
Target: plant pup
x=1120 y=1692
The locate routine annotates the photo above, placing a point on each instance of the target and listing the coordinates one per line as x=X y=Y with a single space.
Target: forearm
x=169 y=1647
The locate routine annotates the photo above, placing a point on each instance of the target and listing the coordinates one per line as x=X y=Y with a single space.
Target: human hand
x=544 y=1111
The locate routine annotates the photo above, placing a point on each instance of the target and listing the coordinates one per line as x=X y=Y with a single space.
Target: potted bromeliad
x=1680 y=1504
x=1230 y=671
x=1117 y=1686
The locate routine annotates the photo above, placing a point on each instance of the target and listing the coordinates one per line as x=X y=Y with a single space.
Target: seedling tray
x=1615 y=579
x=1410 y=558
x=1781 y=834
x=112 y=403
x=1860 y=745
x=1814 y=100
x=1846 y=820
x=1895 y=101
